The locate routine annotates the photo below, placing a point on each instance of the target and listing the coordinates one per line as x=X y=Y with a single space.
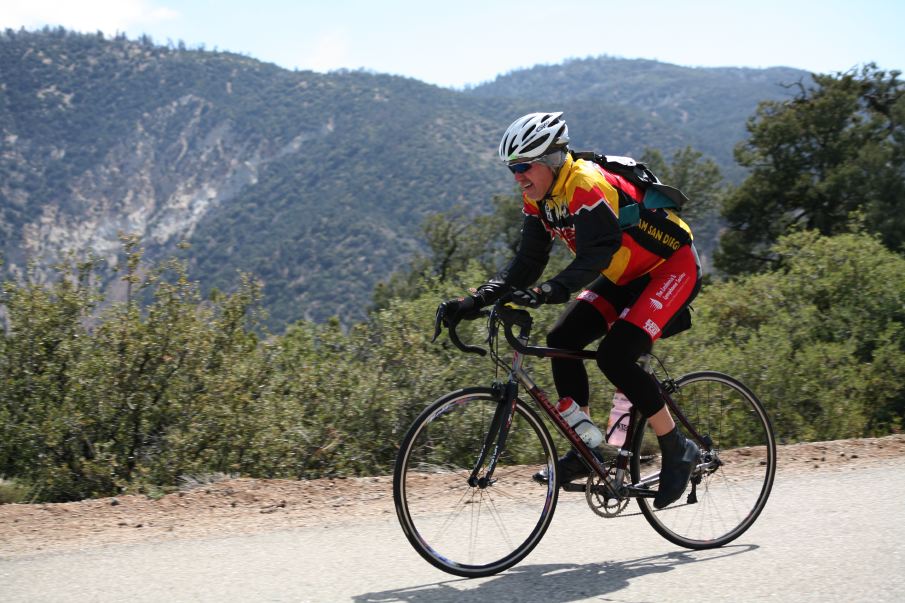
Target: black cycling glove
x=452 y=311
x=550 y=292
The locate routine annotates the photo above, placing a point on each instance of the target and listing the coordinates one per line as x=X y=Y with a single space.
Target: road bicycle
x=463 y=487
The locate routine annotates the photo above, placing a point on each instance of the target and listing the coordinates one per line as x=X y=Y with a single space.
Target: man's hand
x=452 y=311
x=548 y=293
x=531 y=298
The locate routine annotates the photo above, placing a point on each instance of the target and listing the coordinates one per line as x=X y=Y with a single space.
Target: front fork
x=495 y=440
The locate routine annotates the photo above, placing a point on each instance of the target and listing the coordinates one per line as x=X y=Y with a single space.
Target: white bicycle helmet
x=533 y=136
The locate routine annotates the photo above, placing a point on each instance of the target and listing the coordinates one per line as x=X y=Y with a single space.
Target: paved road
x=824 y=536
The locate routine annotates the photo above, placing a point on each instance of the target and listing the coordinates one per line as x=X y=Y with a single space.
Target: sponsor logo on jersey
x=670 y=285
x=658 y=235
x=651 y=327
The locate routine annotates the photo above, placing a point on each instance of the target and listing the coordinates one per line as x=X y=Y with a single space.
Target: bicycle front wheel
x=473 y=530
x=733 y=480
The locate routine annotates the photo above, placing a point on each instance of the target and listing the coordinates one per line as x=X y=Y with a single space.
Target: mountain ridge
x=315 y=183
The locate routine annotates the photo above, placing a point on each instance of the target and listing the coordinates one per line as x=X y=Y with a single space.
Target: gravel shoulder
x=243 y=506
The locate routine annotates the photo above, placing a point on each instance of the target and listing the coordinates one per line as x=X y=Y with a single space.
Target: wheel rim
x=472 y=530
x=734 y=482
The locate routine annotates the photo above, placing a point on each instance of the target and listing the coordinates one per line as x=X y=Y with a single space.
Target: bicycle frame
x=461 y=480
x=540 y=396
x=497 y=434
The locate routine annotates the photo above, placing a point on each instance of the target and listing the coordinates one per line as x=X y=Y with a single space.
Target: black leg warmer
x=617 y=357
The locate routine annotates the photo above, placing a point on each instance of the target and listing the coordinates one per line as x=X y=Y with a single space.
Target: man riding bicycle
x=634 y=279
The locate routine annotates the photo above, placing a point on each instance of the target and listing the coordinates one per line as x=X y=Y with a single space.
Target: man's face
x=535 y=182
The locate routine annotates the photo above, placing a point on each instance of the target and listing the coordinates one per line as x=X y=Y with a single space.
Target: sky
x=466 y=42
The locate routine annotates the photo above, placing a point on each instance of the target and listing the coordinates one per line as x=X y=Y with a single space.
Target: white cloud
x=109 y=16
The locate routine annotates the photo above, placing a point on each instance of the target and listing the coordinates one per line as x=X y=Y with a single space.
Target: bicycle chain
x=653 y=510
x=620 y=514
x=635 y=514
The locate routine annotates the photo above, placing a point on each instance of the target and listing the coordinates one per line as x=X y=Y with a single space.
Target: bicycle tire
x=466 y=530
x=733 y=490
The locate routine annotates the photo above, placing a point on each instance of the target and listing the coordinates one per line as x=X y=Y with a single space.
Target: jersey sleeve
x=528 y=264
x=597 y=239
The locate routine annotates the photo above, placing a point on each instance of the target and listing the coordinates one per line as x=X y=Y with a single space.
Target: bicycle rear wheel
x=733 y=480
x=466 y=530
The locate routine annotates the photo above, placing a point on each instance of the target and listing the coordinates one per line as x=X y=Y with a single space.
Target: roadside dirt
x=239 y=506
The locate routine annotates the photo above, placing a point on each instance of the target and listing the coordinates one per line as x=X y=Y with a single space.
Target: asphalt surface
x=824 y=536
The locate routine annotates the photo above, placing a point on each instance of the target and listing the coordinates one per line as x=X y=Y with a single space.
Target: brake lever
x=438 y=321
x=453 y=336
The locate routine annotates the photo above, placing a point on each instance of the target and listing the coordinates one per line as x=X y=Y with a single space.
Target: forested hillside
x=141 y=379
x=317 y=184
x=707 y=108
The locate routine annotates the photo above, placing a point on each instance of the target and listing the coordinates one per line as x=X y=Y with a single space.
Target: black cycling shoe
x=570 y=467
x=679 y=456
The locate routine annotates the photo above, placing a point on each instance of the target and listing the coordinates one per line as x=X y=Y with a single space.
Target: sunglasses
x=520 y=168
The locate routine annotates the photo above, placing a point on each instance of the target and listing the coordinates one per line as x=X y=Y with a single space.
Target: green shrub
x=821 y=339
x=101 y=398
x=12 y=491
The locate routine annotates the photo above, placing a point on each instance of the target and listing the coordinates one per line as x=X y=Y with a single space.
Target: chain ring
x=599 y=503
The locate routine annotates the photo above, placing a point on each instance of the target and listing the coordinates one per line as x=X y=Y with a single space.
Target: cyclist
x=632 y=280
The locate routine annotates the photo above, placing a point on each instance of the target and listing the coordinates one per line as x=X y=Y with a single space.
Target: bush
x=101 y=398
x=11 y=491
x=94 y=402
x=821 y=339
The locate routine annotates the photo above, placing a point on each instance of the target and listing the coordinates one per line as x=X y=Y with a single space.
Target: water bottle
x=617 y=426
x=579 y=421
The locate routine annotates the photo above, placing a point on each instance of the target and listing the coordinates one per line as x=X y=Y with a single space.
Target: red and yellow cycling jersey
x=583 y=209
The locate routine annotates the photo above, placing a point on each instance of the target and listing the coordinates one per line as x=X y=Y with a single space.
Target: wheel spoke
x=466 y=530
x=730 y=498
